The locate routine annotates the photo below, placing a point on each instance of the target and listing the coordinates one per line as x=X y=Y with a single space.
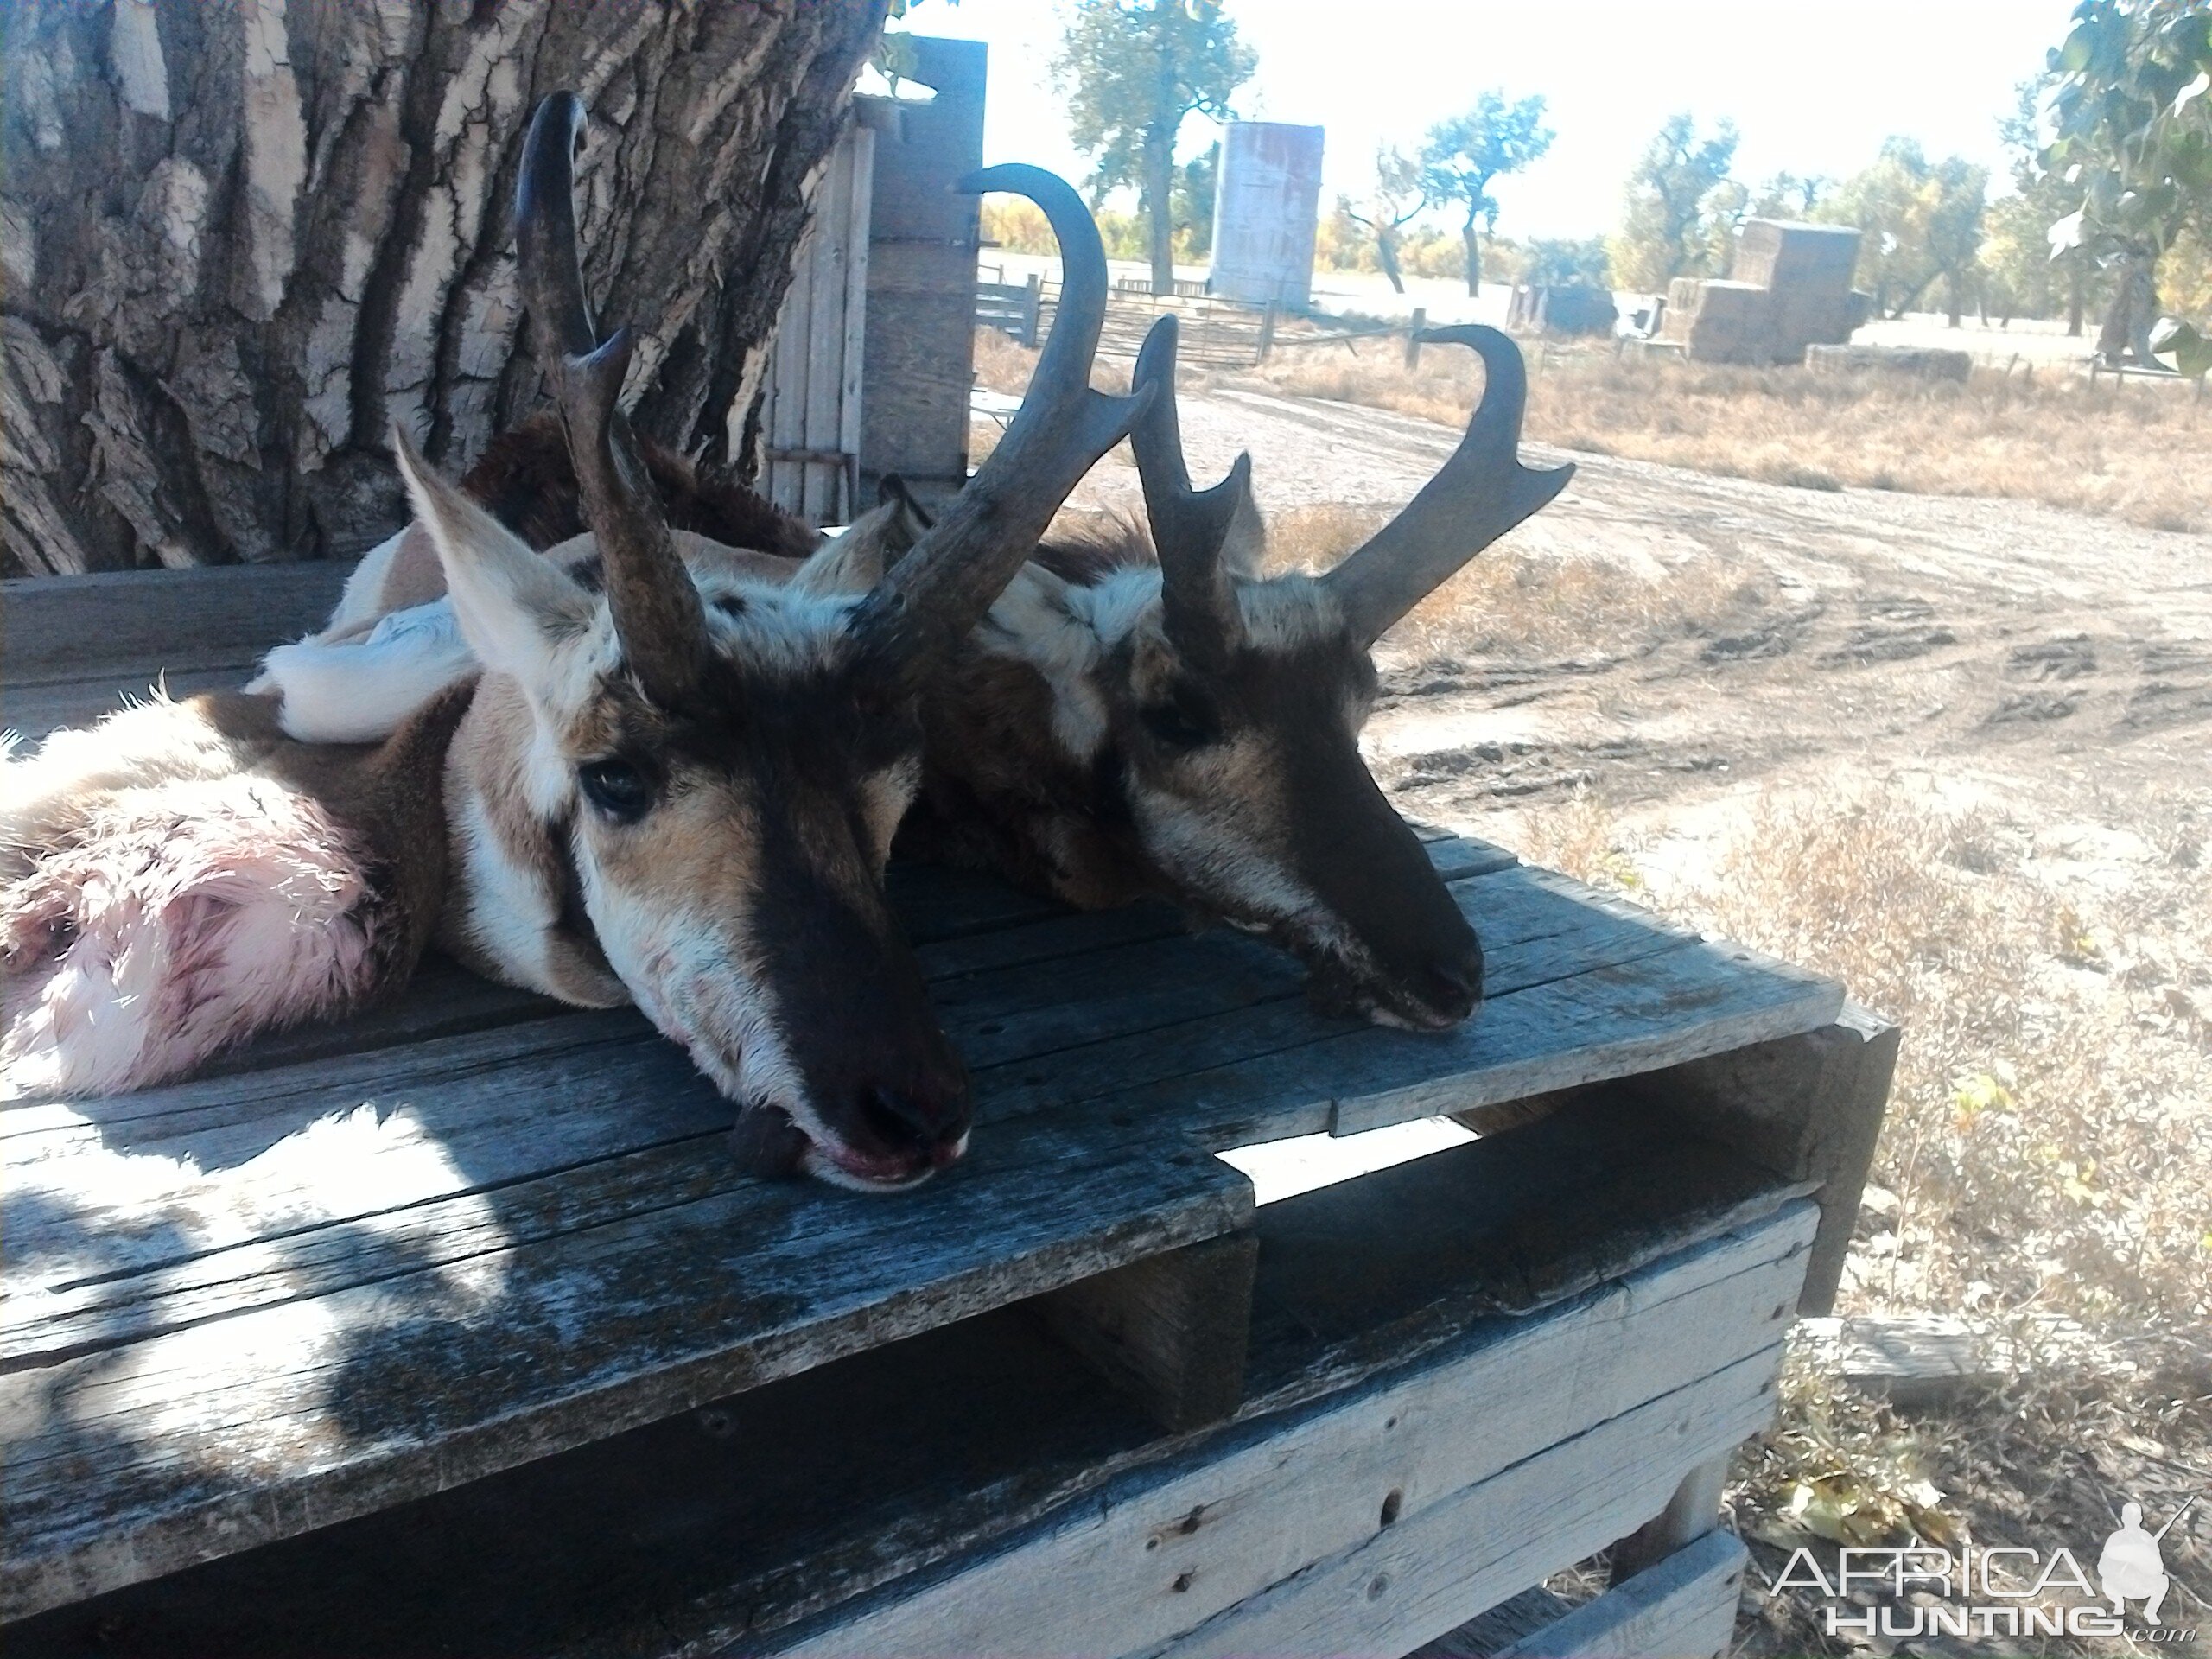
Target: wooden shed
x=874 y=351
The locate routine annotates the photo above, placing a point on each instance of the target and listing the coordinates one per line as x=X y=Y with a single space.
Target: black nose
x=1453 y=984
x=917 y=1118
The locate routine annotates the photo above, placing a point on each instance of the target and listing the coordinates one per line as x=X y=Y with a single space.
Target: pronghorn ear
x=855 y=561
x=513 y=604
x=1244 y=547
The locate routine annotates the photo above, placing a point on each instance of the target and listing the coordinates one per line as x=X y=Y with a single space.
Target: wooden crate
x=453 y=1328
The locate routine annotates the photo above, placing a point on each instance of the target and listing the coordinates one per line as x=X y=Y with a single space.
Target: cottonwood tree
x=241 y=240
x=1462 y=155
x=1565 y=262
x=1133 y=71
x=1399 y=196
x=2022 y=274
x=1674 y=221
x=2133 y=110
x=1921 y=222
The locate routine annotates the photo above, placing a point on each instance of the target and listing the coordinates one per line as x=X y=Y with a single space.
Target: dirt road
x=2022 y=652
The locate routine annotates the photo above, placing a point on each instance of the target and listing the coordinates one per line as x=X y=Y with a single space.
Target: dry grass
x=1003 y=363
x=1531 y=605
x=2049 y=1135
x=2137 y=453
x=2047 y=1151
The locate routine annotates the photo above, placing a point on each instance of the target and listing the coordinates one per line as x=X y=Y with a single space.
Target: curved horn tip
x=1157 y=355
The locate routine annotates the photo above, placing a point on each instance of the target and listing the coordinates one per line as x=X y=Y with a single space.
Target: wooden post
x=1809 y=1108
x=1413 y=337
x=1692 y=1511
x=1172 y=1329
x=1032 y=308
x=1267 y=333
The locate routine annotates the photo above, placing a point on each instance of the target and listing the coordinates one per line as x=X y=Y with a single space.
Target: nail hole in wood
x=1377 y=1585
x=1189 y=1523
x=1392 y=1504
x=1183 y=1581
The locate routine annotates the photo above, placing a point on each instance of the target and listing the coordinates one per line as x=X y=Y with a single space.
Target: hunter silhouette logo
x=2003 y=1590
x=2131 y=1567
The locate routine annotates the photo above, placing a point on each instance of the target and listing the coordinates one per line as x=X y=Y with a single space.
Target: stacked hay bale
x=1789 y=289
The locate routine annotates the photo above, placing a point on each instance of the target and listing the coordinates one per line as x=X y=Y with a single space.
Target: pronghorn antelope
x=1143 y=717
x=668 y=772
x=1131 y=721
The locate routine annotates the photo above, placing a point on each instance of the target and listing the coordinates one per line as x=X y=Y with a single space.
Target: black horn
x=941 y=589
x=657 y=616
x=1189 y=527
x=1481 y=492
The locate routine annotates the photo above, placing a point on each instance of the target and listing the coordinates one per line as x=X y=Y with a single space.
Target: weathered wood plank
x=131 y=1461
x=131 y=623
x=1408 y=1583
x=1173 y=1549
x=1683 y=1607
x=720 y=1526
x=1171 y=1329
x=1271 y=1071
x=1809 y=1105
x=1352 y=1276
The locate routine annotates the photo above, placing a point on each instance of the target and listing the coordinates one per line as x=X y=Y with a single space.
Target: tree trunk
x=2127 y=333
x=1956 y=308
x=2073 y=304
x=241 y=239
x=1386 y=255
x=1473 y=241
x=1160 y=208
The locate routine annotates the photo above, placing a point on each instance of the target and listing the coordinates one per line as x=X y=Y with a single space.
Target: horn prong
x=1189 y=527
x=1481 y=491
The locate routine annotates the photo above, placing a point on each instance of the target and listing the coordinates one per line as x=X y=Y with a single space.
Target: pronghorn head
x=1234 y=703
x=722 y=759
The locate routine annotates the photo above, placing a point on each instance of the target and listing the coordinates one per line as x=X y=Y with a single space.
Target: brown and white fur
x=1119 y=727
x=667 y=772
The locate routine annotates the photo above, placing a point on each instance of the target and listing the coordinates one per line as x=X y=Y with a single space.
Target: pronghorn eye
x=616 y=788
x=1188 y=721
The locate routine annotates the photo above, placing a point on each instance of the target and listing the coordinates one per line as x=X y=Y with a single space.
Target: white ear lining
x=513 y=604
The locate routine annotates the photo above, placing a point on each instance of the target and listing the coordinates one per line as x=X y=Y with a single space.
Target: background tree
x=1464 y=153
x=2021 y=274
x=1399 y=195
x=1133 y=71
x=1667 y=227
x=1922 y=221
x=239 y=243
x=1561 y=262
x=1197 y=181
x=2134 y=137
x=1787 y=195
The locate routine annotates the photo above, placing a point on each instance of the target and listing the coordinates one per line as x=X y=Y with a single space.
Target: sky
x=1814 y=86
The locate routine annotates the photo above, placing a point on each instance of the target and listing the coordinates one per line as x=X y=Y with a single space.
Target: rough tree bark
x=241 y=237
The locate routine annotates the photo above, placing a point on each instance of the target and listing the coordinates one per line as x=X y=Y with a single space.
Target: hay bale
x=1919 y=363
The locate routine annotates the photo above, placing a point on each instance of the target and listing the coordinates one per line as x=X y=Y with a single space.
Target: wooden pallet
x=466 y=1296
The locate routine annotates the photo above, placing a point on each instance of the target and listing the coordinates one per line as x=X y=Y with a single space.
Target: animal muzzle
x=1423 y=991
